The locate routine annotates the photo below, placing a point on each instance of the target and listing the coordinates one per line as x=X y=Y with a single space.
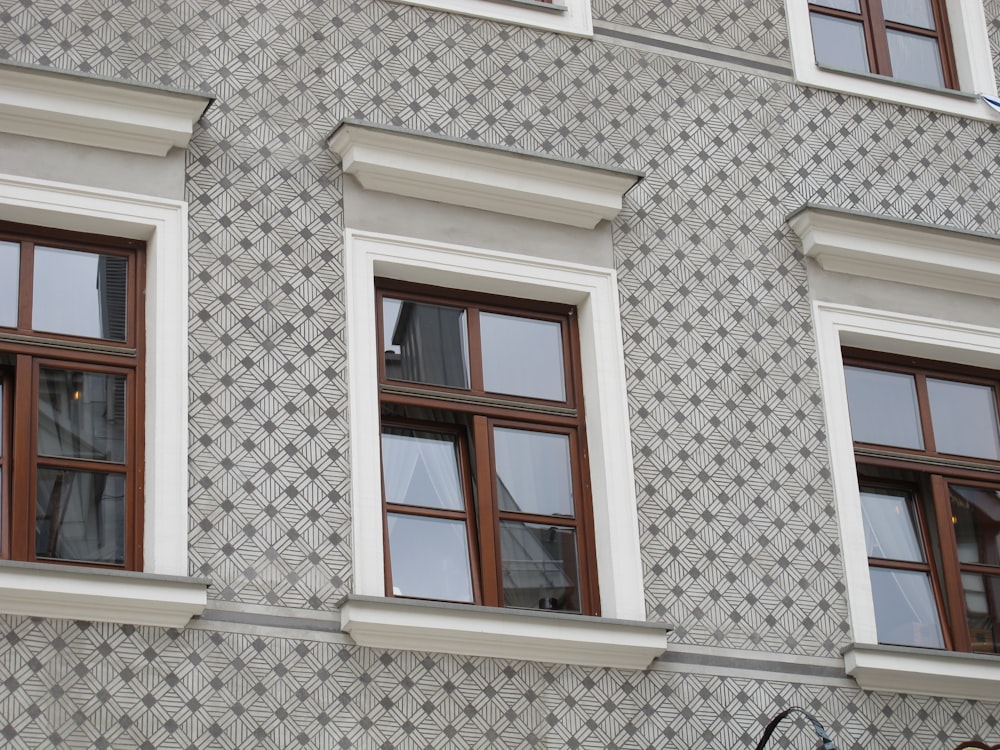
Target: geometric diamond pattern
x=738 y=529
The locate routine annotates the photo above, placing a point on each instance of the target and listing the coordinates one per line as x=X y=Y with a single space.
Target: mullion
x=6 y=428
x=420 y=510
x=25 y=285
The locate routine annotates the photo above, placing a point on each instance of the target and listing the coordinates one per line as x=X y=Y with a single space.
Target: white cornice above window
x=91 y=111
x=924 y=672
x=485 y=177
x=553 y=637
x=901 y=251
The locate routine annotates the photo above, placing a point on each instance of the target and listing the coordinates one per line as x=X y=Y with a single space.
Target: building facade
x=764 y=236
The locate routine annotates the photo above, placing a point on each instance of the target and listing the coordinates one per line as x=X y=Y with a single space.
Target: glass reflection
x=534 y=473
x=539 y=566
x=522 y=356
x=892 y=531
x=883 y=407
x=425 y=343
x=975 y=514
x=982 y=605
x=81 y=415
x=421 y=468
x=80 y=294
x=911 y=12
x=915 y=58
x=905 y=611
x=964 y=416
x=429 y=558
x=10 y=264
x=80 y=515
x=839 y=43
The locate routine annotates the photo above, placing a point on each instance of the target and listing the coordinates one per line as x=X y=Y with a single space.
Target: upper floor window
x=927 y=448
x=903 y=39
x=483 y=470
x=71 y=368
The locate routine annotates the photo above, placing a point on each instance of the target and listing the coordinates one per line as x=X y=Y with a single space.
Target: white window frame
x=878 y=667
x=565 y=16
x=973 y=61
x=161 y=594
x=594 y=292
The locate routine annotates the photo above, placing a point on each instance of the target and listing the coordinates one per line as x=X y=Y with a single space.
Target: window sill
x=921 y=671
x=552 y=637
x=63 y=591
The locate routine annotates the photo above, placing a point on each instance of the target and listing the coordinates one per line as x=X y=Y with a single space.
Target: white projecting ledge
x=948 y=674
x=91 y=111
x=501 y=633
x=435 y=168
x=79 y=593
x=903 y=251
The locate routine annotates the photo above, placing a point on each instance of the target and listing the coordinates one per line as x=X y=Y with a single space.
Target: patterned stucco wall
x=740 y=541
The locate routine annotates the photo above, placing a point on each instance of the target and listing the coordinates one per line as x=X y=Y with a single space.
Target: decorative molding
x=92 y=111
x=464 y=174
x=574 y=17
x=555 y=637
x=78 y=593
x=594 y=291
x=162 y=223
x=973 y=59
x=901 y=251
x=924 y=672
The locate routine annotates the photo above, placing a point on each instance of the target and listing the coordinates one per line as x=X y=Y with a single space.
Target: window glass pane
x=905 y=611
x=839 y=43
x=964 y=417
x=81 y=415
x=851 y=6
x=10 y=263
x=914 y=58
x=534 y=473
x=429 y=558
x=892 y=531
x=911 y=12
x=421 y=468
x=539 y=566
x=982 y=604
x=80 y=294
x=883 y=407
x=425 y=343
x=80 y=515
x=523 y=356
x=975 y=513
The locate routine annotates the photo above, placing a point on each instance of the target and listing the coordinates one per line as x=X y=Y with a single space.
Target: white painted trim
x=93 y=112
x=900 y=251
x=939 y=673
x=501 y=633
x=576 y=19
x=973 y=60
x=595 y=293
x=947 y=341
x=480 y=177
x=162 y=223
x=61 y=591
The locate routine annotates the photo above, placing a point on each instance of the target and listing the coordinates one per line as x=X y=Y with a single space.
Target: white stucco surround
x=146 y=598
x=566 y=16
x=973 y=58
x=593 y=290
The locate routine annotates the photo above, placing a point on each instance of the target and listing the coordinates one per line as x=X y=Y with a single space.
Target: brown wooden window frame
x=875 y=28
x=937 y=471
x=26 y=351
x=479 y=411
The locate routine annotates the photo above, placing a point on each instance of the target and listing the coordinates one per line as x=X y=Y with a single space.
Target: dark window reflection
x=80 y=294
x=539 y=566
x=534 y=474
x=425 y=343
x=975 y=513
x=80 y=515
x=81 y=415
x=982 y=605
